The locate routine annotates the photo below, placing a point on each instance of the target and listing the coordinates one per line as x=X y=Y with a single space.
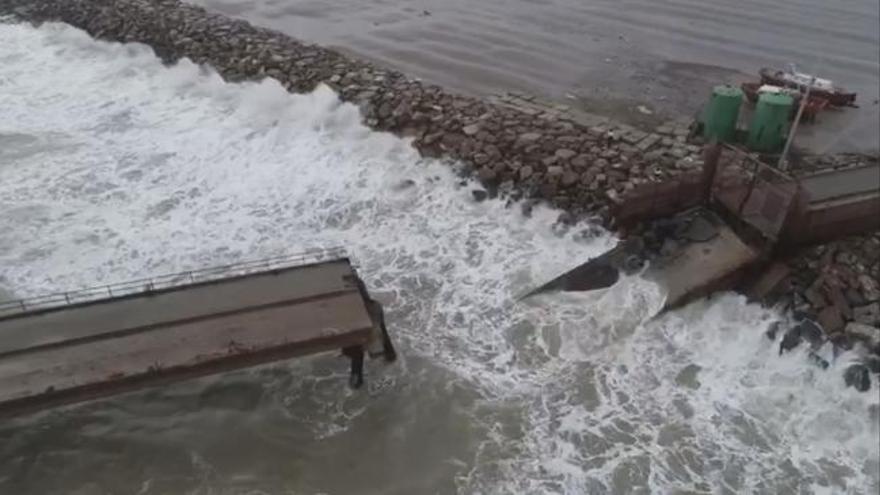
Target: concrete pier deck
x=838 y=184
x=82 y=350
x=701 y=268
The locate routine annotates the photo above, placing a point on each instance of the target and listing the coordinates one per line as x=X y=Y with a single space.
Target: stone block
x=868 y=334
x=831 y=320
x=868 y=314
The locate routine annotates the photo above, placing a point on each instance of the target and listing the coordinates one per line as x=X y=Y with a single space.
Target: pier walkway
x=80 y=345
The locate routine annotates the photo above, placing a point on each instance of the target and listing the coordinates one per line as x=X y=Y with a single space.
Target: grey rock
x=580 y=161
x=487 y=174
x=811 y=332
x=569 y=178
x=868 y=315
x=529 y=137
x=479 y=195
x=678 y=152
x=790 y=340
x=648 y=142
x=872 y=363
x=818 y=360
x=681 y=132
x=868 y=334
x=830 y=319
x=869 y=288
x=565 y=154
x=471 y=130
x=855 y=298
x=814 y=294
x=525 y=172
x=857 y=376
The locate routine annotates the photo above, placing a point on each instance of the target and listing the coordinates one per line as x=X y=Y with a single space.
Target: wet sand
x=606 y=56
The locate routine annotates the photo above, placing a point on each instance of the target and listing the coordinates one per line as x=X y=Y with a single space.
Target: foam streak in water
x=115 y=167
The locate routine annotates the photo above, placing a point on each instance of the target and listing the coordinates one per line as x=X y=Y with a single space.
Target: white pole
x=783 y=163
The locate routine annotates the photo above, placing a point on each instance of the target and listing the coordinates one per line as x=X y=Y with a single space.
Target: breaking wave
x=114 y=167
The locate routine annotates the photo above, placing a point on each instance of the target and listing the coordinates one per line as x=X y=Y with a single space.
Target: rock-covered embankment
x=527 y=152
x=833 y=291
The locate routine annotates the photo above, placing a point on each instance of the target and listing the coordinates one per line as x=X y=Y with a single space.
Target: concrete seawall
x=524 y=149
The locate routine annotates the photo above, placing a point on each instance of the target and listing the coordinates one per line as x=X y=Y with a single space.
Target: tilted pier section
x=80 y=345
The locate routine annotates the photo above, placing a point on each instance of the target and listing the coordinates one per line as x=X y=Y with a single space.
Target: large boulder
x=865 y=333
x=857 y=376
x=805 y=330
x=868 y=314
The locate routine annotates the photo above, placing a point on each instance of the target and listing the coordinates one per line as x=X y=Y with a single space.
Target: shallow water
x=612 y=56
x=115 y=167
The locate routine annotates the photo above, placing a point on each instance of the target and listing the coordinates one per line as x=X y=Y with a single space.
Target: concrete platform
x=703 y=267
x=79 y=351
x=838 y=184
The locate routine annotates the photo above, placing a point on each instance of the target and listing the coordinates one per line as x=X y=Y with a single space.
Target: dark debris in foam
x=516 y=146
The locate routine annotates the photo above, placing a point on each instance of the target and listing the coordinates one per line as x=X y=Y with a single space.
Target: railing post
x=711 y=157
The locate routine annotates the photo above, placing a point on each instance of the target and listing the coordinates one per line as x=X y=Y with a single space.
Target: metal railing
x=754 y=192
x=160 y=282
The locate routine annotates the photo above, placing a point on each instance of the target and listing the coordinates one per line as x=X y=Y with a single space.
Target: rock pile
x=839 y=283
x=571 y=164
x=834 y=293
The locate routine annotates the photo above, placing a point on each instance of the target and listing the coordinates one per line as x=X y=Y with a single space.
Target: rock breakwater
x=572 y=163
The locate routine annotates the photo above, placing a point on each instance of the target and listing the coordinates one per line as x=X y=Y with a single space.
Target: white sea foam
x=115 y=167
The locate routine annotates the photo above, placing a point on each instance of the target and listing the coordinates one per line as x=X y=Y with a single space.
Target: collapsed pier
x=81 y=345
x=598 y=169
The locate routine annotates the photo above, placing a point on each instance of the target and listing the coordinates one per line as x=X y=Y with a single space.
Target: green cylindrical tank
x=722 y=113
x=770 y=123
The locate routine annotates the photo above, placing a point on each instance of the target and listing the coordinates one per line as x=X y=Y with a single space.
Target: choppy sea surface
x=607 y=57
x=113 y=166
